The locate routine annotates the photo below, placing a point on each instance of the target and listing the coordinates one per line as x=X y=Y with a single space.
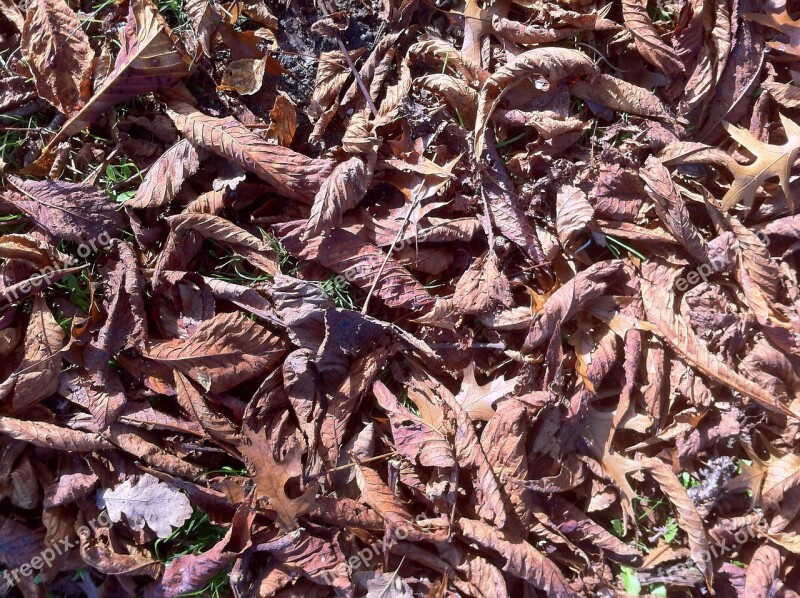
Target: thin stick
x=388 y=255
x=349 y=465
x=357 y=75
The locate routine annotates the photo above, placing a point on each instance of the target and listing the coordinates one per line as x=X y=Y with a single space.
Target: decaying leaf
x=58 y=53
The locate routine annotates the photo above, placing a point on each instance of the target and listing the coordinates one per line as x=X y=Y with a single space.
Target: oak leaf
x=146 y=501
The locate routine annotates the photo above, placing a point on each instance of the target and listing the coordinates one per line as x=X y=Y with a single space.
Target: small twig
x=388 y=255
x=357 y=75
x=349 y=465
x=392 y=578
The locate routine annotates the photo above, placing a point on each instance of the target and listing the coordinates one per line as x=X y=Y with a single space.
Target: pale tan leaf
x=574 y=215
x=146 y=501
x=244 y=76
x=478 y=400
x=770 y=161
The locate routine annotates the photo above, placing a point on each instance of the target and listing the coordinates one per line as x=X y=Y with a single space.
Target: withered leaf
x=149 y=58
x=647 y=40
x=223 y=351
x=57 y=51
x=770 y=161
x=165 y=177
x=36 y=377
x=72 y=211
x=293 y=175
x=271 y=477
x=521 y=559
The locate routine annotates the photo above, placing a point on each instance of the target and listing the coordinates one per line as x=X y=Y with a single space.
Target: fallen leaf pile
x=399 y=298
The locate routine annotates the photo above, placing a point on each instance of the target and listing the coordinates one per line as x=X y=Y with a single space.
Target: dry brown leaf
x=647 y=40
x=271 y=477
x=57 y=51
x=222 y=353
x=482 y=287
x=282 y=120
x=293 y=175
x=165 y=177
x=546 y=66
x=521 y=559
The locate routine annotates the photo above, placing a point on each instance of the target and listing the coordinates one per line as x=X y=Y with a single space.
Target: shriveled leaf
x=521 y=559
x=57 y=51
x=222 y=353
x=72 y=211
x=293 y=175
x=547 y=66
x=165 y=177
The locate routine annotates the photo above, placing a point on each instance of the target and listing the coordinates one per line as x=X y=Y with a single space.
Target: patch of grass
x=216 y=588
x=116 y=174
x=235 y=269
x=688 y=480
x=225 y=470
x=76 y=287
x=630 y=581
x=286 y=262
x=339 y=291
x=175 y=14
x=14 y=132
x=12 y=224
x=196 y=536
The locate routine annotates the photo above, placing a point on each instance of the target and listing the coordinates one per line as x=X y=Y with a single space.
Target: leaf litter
x=399 y=298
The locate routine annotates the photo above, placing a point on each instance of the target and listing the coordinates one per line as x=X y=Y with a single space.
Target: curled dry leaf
x=546 y=66
x=647 y=40
x=688 y=517
x=223 y=351
x=165 y=177
x=57 y=51
x=521 y=559
x=150 y=58
x=292 y=174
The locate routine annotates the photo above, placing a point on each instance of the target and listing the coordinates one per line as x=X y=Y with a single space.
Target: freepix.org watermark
x=46 y=558
x=48 y=273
